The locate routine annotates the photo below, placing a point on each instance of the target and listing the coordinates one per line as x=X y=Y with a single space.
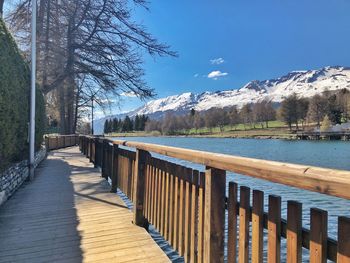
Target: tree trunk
x=76 y=111
x=62 y=110
x=1 y=8
x=70 y=80
x=46 y=45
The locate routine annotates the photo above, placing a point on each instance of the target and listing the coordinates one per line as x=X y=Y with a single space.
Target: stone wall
x=13 y=177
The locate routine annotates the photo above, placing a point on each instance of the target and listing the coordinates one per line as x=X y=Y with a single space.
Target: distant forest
x=329 y=107
x=125 y=125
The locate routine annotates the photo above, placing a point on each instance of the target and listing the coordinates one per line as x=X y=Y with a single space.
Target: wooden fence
x=188 y=207
x=60 y=141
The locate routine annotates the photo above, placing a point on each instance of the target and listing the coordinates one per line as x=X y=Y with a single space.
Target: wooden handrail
x=53 y=142
x=187 y=206
x=322 y=180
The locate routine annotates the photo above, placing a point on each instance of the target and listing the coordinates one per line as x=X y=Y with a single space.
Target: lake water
x=329 y=154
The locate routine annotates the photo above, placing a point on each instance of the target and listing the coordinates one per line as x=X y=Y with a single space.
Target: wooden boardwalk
x=68 y=215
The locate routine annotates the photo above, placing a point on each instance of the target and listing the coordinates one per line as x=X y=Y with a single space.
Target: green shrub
x=14 y=102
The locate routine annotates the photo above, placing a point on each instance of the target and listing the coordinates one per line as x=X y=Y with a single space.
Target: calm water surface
x=330 y=154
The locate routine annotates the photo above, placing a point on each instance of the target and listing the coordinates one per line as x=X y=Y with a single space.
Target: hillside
x=304 y=83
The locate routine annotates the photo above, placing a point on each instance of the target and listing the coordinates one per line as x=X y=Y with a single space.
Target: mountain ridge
x=305 y=83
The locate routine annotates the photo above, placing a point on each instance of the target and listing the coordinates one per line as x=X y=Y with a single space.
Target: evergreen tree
x=143 y=122
x=193 y=112
x=137 y=123
x=115 y=125
x=110 y=126
x=127 y=124
x=105 y=128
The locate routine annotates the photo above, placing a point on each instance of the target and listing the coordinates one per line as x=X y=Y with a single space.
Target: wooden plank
x=167 y=200
x=145 y=210
x=318 y=235
x=156 y=179
x=181 y=210
x=214 y=215
x=343 y=255
x=159 y=197
x=232 y=207
x=294 y=232
x=153 y=200
x=244 y=215
x=194 y=211
x=201 y=203
x=83 y=221
x=171 y=205
x=115 y=169
x=188 y=208
x=257 y=226
x=274 y=229
x=322 y=180
x=130 y=183
x=103 y=168
x=142 y=158
x=162 y=214
x=176 y=211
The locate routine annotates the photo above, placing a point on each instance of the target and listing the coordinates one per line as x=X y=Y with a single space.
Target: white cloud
x=128 y=94
x=196 y=75
x=217 y=61
x=216 y=74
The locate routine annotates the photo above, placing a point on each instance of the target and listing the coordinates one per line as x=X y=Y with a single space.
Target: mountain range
x=305 y=83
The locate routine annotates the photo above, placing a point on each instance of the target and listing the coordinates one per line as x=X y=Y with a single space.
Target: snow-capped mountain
x=303 y=83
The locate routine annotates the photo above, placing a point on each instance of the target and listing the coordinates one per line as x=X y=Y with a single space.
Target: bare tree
x=289 y=110
x=153 y=125
x=302 y=109
x=88 y=49
x=233 y=116
x=344 y=103
x=246 y=115
x=258 y=113
x=198 y=121
x=317 y=109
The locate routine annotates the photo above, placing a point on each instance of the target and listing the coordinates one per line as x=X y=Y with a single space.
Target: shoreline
x=208 y=136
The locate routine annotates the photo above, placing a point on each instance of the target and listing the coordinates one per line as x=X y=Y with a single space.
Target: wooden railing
x=53 y=142
x=187 y=206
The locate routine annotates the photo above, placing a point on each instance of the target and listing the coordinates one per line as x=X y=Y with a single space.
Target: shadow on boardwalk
x=68 y=215
x=40 y=221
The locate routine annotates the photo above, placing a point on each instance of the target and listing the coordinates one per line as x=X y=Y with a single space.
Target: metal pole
x=92 y=115
x=32 y=96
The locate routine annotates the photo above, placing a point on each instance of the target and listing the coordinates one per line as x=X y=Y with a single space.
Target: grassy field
x=277 y=129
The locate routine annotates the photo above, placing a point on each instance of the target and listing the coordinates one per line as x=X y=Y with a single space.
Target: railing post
x=100 y=152
x=214 y=215
x=91 y=141
x=84 y=145
x=142 y=158
x=115 y=168
x=96 y=158
x=47 y=143
x=104 y=158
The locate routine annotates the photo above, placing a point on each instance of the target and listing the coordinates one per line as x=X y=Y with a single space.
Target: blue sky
x=255 y=39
